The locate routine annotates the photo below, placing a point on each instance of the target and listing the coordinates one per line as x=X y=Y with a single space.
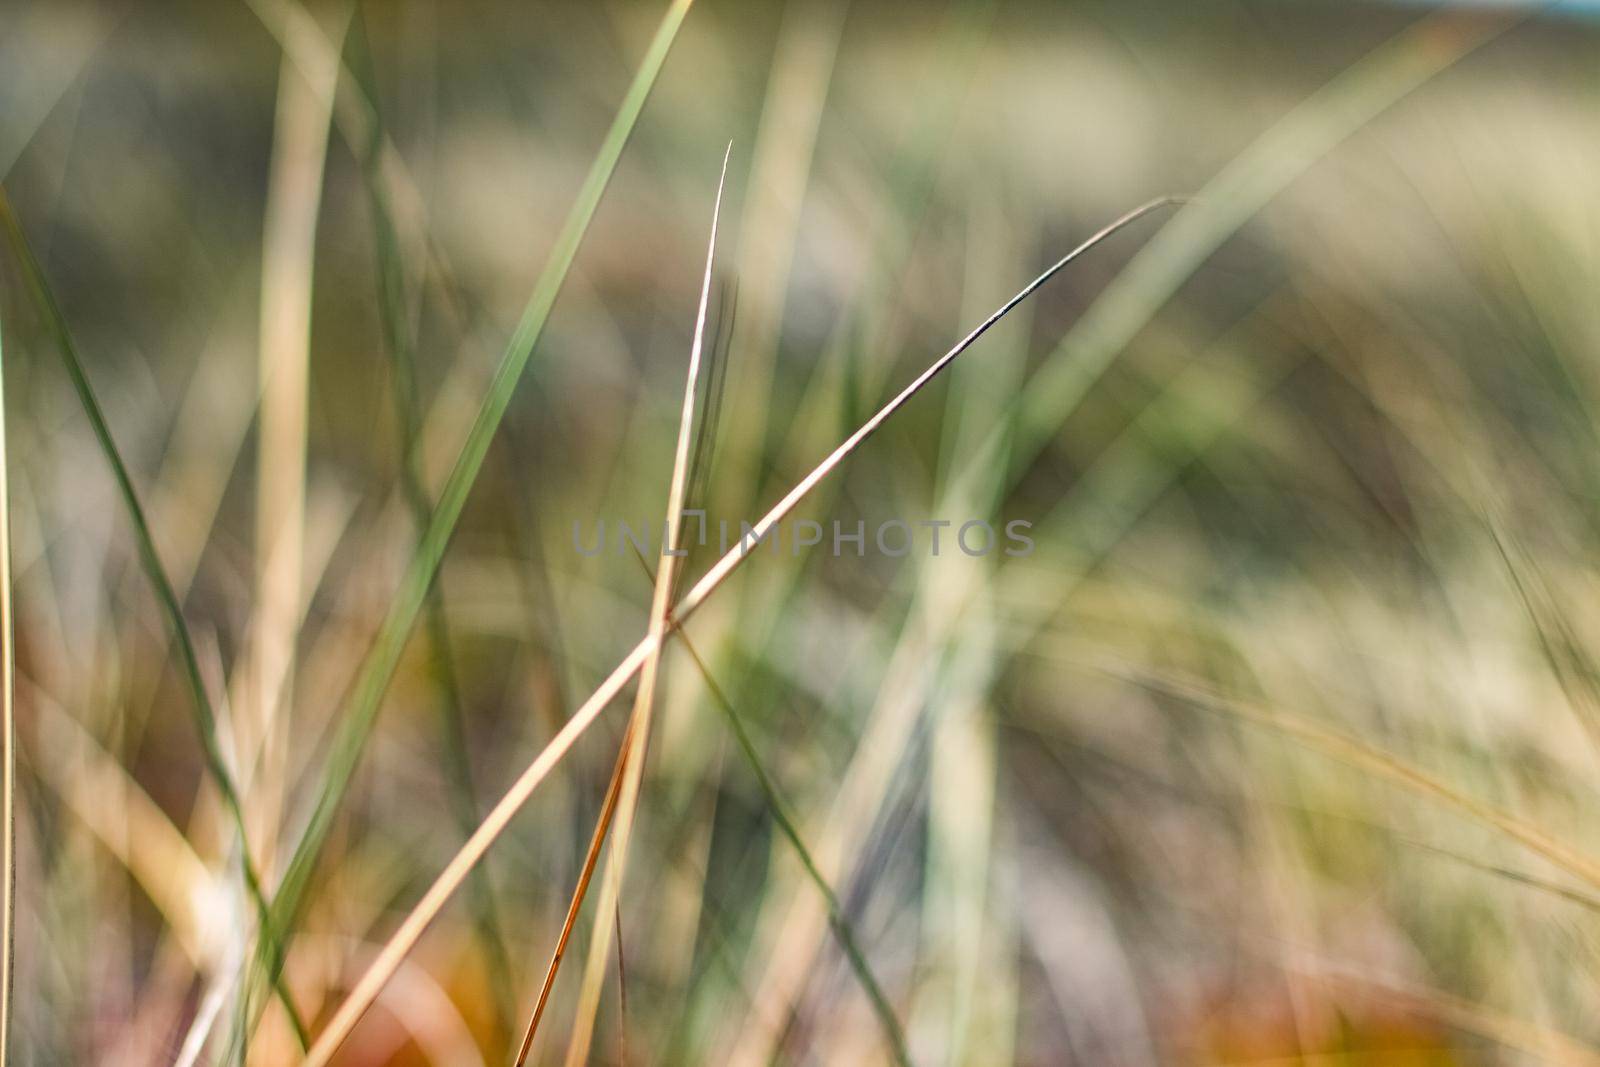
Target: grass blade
x=644 y=700
x=494 y=824
x=725 y=566
x=283 y=369
x=381 y=662
x=378 y=668
x=205 y=718
x=837 y=920
x=607 y=809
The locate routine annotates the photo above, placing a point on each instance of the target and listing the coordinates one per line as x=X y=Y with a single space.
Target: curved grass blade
x=494 y=824
x=205 y=718
x=1357 y=753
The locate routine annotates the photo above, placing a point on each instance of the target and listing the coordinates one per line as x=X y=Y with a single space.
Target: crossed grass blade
x=494 y=824
x=644 y=700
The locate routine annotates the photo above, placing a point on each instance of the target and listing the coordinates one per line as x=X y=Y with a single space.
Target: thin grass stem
x=608 y=808
x=893 y=1033
x=494 y=824
x=644 y=699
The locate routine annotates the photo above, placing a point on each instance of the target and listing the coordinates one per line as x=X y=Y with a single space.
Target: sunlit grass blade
x=289 y=220
x=644 y=699
x=200 y=703
x=494 y=824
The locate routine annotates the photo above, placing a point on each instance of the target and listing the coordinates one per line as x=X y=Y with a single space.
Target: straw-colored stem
x=607 y=808
x=294 y=198
x=644 y=700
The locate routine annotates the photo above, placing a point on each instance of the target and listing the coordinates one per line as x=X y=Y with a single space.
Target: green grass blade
x=205 y=718
x=893 y=1032
x=842 y=930
x=360 y=710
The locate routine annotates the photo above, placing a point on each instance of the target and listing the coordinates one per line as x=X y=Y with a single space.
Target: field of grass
x=387 y=387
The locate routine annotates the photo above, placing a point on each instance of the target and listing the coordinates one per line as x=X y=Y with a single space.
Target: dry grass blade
x=450 y=879
x=288 y=259
x=725 y=566
x=494 y=824
x=602 y=825
x=8 y=770
x=644 y=700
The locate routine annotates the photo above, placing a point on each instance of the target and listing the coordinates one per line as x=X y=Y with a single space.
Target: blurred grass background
x=1281 y=748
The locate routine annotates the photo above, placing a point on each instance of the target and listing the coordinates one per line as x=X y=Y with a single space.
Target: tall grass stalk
x=644 y=699
x=288 y=257
x=495 y=823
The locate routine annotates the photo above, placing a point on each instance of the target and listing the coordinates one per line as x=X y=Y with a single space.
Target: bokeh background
x=1280 y=748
